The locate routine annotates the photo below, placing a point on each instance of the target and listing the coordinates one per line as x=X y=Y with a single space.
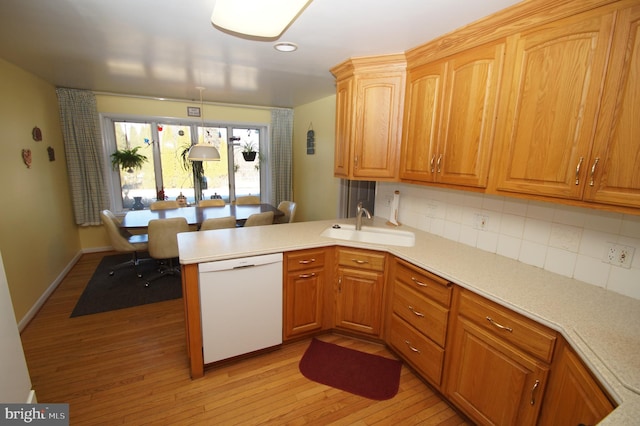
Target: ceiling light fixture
x=257 y=18
x=285 y=47
x=203 y=151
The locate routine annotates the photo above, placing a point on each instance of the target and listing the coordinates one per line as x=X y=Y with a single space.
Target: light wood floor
x=130 y=367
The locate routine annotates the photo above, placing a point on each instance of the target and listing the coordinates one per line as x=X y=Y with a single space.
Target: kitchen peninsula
x=600 y=325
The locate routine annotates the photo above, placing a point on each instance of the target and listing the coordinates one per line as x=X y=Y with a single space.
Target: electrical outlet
x=619 y=255
x=482 y=222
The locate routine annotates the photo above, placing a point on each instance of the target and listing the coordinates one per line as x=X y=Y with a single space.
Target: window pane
x=216 y=173
x=175 y=140
x=138 y=182
x=247 y=172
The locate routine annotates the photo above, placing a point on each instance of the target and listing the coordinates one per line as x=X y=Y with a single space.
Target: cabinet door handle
x=593 y=170
x=420 y=283
x=433 y=159
x=438 y=163
x=306 y=262
x=533 y=392
x=340 y=284
x=578 y=170
x=416 y=313
x=416 y=350
x=313 y=274
x=359 y=261
x=500 y=326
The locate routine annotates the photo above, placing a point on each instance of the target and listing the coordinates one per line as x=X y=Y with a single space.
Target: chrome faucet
x=360 y=210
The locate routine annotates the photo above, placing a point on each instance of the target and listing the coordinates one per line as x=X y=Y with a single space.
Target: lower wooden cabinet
x=573 y=396
x=359 y=292
x=419 y=318
x=304 y=292
x=496 y=373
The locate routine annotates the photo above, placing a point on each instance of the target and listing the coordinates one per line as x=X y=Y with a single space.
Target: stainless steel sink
x=371 y=234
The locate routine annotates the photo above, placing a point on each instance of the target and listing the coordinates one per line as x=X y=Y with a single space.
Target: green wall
x=315 y=190
x=38 y=235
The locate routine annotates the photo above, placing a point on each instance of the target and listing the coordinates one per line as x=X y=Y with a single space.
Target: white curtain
x=280 y=155
x=83 y=149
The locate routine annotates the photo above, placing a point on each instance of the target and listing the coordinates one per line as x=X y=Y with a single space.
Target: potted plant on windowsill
x=248 y=151
x=128 y=159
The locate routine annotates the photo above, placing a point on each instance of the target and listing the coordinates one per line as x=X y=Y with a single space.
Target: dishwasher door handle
x=244 y=266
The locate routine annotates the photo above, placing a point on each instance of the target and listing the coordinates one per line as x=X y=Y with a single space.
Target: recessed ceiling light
x=285 y=47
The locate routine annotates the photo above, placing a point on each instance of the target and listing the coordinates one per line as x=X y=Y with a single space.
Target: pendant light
x=203 y=151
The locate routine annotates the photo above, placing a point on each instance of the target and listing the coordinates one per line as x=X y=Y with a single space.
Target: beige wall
x=315 y=190
x=38 y=236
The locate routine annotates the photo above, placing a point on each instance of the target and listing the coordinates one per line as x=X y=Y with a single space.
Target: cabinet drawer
x=424 y=282
x=520 y=331
x=305 y=259
x=425 y=315
x=361 y=259
x=417 y=350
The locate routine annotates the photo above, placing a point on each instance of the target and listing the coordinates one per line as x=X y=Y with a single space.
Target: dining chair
x=289 y=210
x=163 y=244
x=216 y=202
x=164 y=205
x=248 y=199
x=259 y=219
x=124 y=242
x=218 y=223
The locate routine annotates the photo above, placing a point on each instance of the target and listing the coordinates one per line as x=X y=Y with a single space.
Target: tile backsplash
x=570 y=241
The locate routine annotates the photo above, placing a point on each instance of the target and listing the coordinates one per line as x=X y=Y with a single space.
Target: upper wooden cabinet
x=615 y=159
x=553 y=101
x=369 y=103
x=449 y=118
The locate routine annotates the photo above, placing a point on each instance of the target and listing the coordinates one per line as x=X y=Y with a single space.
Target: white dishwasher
x=240 y=305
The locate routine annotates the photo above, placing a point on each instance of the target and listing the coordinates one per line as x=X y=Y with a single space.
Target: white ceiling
x=165 y=48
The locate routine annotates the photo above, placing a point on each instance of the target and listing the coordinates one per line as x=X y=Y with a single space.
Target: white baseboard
x=43 y=298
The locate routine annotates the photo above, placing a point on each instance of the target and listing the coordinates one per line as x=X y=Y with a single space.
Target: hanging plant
x=248 y=151
x=195 y=166
x=128 y=159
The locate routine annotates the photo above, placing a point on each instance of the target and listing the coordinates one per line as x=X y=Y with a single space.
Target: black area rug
x=124 y=289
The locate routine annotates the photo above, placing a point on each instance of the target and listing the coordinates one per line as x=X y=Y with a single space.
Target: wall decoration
x=193 y=111
x=26 y=157
x=311 y=138
x=52 y=153
x=36 y=134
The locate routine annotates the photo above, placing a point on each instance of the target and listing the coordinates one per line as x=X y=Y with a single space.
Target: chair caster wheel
x=111 y=273
x=139 y=275
x=146 y=284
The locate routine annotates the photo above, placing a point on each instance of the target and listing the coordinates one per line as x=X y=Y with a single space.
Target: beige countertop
x=602 y=326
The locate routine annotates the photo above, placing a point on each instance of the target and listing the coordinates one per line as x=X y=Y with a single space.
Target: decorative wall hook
x=26 y=157
x=36 y=134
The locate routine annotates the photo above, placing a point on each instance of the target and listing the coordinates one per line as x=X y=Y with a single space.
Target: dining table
x=196 y=215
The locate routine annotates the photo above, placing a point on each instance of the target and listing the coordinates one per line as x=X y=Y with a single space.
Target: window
x=168 y=173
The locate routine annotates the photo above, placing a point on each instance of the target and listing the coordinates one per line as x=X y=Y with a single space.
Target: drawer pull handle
x=359 y=261
x=500 y=326
x=416 y=313
x=593 y=170
x=411 y=347
x=578 y=170
x=420 y=283
x=313 y=274
x=306 y=262
x=533 y=391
